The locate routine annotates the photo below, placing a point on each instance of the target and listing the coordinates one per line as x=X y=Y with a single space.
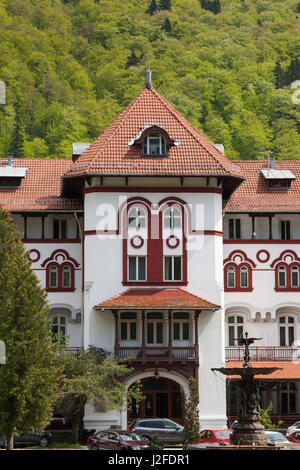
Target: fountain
x=248 y=430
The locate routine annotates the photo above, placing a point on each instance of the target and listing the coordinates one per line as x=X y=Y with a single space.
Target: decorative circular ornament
x=172 y=241
x=34 y=256
x=137 y=241
x=263 y=256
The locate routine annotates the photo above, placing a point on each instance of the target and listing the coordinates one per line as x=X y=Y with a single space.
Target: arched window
x=231 y=277
x=154 y=144
x=244 y=276
x=235 y=329
x=172 y=218
x=282 y=276
x=136 y=218
x=286 y=330
x=53 y=276
x=60 y=277
x=66 y=276
x=295 y=276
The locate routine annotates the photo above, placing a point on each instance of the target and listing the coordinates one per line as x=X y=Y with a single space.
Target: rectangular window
x=285 y=230
x=234 y=229
x=59 y=229
x=137 y=268
x=173 y=268
x=128 y=326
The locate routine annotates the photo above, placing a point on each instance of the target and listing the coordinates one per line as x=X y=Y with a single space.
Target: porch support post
x=25 y=225
x=43 y=226
x=117 y=345
x=270 y=227
x=197 y=312
x=253 y=226
x=170 y=335
x=143 y=337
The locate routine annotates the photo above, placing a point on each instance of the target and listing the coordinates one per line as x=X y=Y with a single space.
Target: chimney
x=10 y=160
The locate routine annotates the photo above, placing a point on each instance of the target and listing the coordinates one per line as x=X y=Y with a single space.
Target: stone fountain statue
x=248 y=430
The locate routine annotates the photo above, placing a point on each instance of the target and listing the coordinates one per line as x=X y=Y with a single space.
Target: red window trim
x=59 y=287
x=238 y=287
x=288 y=287
x=154 y=255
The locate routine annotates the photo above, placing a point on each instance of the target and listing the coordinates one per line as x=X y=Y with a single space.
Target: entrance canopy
x=156 y=298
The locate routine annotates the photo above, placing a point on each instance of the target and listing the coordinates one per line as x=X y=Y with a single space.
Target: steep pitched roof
x=112 y=154
x=156 y=298
x=254 y=195
x=40 y=189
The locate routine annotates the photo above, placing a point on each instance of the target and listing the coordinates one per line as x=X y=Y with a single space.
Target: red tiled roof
x=156 y=298
x=111 y=154
x=40 y=189
x=290 y=370
x=253 y=195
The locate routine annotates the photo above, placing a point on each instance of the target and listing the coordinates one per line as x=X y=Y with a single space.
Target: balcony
x=264 y=353
x=158 y=355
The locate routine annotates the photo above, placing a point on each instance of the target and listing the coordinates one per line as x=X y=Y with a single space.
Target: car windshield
x=276 y=436
x=223 y=433
x=130 y=437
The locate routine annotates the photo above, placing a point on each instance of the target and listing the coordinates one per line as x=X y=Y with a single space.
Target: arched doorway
x=163 y=398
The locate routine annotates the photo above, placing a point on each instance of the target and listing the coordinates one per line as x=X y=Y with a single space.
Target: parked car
x=116 y=440
x=212 y=436
x=167 y=430
x=292 y=428
x=294 y=437
x=41 y=438
x=275 y=437
x=84 y=434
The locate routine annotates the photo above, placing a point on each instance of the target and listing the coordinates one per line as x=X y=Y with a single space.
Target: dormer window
x=154 y=144
x=153 y=140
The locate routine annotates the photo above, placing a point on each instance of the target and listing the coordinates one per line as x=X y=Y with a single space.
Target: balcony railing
x=264 y=353
x=159 y=354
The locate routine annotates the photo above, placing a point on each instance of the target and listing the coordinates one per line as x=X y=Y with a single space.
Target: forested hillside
x=71 y=66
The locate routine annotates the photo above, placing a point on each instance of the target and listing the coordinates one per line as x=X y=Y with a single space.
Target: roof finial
x=148 y=79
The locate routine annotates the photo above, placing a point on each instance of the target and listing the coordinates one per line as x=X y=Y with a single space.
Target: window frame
x=234 y=229
x=173 y=268
x=238 y=271
x=235 y=325
x=181 y=322
x=162 y=144
x=59 y=326
x=286 y=326
x=136 y=268
x=128 y=322
x=59 y=228
x=59 y=287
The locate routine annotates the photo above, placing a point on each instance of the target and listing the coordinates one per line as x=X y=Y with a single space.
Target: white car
x=293 y=428
x=275 y=437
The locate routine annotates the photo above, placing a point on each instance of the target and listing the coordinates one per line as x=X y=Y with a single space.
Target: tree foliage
x=92 y=377
x=191 y=415
x=29 y=379
x=71 y=66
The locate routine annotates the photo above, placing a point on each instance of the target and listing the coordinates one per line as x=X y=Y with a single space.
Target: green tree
x=18 y=137
x=265 y=418
x=165 y=4
x=191 y=416
x=279 y=75
x=152 y=7
x=28 y=381
x=91 y=377
x=167 y=26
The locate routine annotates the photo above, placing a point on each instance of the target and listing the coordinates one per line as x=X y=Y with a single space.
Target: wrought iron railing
x=264 y=353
